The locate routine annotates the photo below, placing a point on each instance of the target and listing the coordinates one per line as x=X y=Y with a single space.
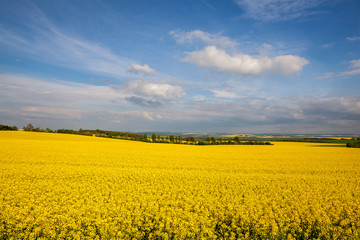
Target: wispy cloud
x=355 y=68
x=327 y=75
x=328 y=45
x=279 y=10
x=245 y=64
x=45 y=42
x=354 y=38
x=56 y=93
x=224 y=94
x=205 y=37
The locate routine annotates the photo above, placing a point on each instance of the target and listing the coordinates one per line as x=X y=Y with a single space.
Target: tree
x=236 y=140
x=153 y=137
x=29 y=127
x=7 y=128
x=172 y=138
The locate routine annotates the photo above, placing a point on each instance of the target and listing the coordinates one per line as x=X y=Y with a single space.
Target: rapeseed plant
x=67 y=186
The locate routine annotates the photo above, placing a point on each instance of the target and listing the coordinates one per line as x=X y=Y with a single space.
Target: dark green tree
x=29 y=127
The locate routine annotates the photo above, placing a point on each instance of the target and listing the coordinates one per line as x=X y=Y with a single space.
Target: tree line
x=152 y=139
x=354 y=144
x=143 y=137
x=8 y=128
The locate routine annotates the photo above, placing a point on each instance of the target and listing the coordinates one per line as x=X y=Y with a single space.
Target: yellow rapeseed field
x=57 y=186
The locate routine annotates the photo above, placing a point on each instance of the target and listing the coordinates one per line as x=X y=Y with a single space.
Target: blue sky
x=239 y=66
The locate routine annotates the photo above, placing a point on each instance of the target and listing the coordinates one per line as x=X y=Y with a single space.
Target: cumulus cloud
x=208 y=38
x=136 y=68
x=223 y=94
x=354 y=38
x=245 y=64
x=279 y=10
x=157 y=90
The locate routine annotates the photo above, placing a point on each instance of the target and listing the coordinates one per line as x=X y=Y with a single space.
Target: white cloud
x=223 y=94
x=47 y=98
x=135 y=68
x=354 y=38
x=245 y=64
x=355 y=63
x=279 y=10
x=199 y=98
x=148 y=116
x=63 y=104
x=355 y=66
x=156 y=90
x=208 y=38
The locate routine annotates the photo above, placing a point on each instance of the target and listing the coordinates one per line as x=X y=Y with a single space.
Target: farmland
x=80 y=187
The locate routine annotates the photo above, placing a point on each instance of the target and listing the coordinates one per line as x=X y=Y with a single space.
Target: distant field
x=78 y=187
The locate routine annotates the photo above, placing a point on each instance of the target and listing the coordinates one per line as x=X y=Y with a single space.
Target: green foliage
x=145 y=139
x=8 y=128
x=29 y=127
x=154 y=138
x=353 y=144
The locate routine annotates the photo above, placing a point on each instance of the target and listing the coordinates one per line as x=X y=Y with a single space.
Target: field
x=78 y=187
